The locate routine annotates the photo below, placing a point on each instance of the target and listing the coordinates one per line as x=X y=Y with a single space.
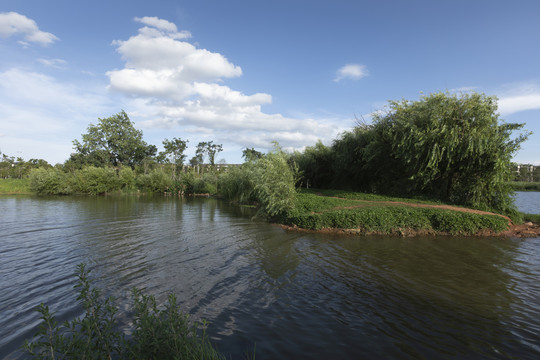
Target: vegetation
x=440 y=149
x=535 y=218
x=446 y=147
x=156 y=333
x=268 y=180
x=525 y=186
x=113 y=141
x=316 y=212
x=15 y=186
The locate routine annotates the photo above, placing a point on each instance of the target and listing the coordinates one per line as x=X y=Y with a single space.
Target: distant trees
x=207 y=149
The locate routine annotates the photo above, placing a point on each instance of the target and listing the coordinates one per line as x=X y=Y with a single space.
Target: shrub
x=50 y=182
x=157 y=181
x=93 y=180
x=156 y=333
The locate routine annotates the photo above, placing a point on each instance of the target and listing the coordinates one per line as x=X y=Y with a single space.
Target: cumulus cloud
x=12 y=23
x=180 y=85
x=351 y=71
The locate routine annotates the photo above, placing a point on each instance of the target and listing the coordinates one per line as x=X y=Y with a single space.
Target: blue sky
x=246 y=73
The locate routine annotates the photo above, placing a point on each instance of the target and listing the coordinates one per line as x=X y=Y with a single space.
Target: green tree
x=251 y=154
x=208 y=149
x=113 y=141
x=174 y=152
x=449 y=147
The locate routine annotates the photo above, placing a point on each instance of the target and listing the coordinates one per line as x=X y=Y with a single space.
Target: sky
x=246 y=73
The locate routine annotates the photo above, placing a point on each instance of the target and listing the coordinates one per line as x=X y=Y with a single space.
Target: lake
x=292 y=295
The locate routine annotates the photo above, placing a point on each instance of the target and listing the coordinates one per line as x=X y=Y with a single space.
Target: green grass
x=525 y=186
x=350 y=195
x=315 y=212
x=535 y=218
x=15 y=186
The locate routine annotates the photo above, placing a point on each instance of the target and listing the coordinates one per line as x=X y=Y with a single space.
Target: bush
x=157 y=181
x=156 y=333
x=237 y=184
x=51 y=182
x=93 y=180
x=127 y=178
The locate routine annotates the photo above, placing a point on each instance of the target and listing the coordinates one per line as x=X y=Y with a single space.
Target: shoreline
x=525 y=230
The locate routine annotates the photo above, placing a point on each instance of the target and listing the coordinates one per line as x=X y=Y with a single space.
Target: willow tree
x=451 y=147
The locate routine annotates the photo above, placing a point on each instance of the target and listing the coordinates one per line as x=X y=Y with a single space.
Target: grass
x=525 y=186
x=316 y=212
x=15 y=186
x=534 y=218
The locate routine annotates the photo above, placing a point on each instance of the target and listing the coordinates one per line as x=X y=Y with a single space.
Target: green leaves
x=113 y=141
x=157 y=333
x=447 y=147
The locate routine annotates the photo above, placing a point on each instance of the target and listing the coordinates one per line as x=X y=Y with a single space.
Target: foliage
x=113 y=141
x=251 y=154
x=525 y=186
x=174 y=152
x=93 y=180
x=207 y=149
x=315 y=213
x=445 y=147
x=15 y=186
x=157 y=333
x=157 y=181
x=127 y=178
x=238 y=184
x=274 y=182
x=18 y=168
x=51 y=182
x=452 y=148
x=315 y=164
x=269 y=181
x=535 y=218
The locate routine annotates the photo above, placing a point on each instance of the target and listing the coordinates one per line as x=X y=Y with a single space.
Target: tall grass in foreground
x=156 y=333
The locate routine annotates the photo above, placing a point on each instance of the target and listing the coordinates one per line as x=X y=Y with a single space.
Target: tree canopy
x=448 y=147
x=113 y=141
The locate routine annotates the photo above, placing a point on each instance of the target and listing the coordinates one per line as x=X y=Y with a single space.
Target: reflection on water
x=294 y=295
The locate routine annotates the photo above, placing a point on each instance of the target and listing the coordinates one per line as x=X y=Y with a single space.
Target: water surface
x=294 y=295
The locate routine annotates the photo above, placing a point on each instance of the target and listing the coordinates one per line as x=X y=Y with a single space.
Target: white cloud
x=41 y=115
x=12 y=23
x=520 y=99
x=177 y=84
x=54 y=63
x=351 y=71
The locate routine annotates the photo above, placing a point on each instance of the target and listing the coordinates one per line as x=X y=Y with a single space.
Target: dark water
x=293 y=295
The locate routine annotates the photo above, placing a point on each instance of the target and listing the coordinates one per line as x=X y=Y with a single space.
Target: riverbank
x=368 y=214
x=525 y=186
x=15 y=186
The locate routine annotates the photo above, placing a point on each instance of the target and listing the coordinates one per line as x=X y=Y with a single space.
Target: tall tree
x=208 y=149
x=451 y=147
x=174 y=151
x=113 y=141
x=251 y=154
